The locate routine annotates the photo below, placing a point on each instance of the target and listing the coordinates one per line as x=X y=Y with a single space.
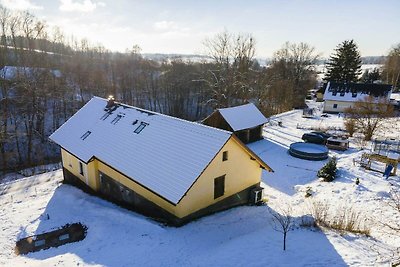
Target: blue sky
x=181 y=26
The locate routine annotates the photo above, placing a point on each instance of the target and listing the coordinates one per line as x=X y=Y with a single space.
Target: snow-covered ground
x=242 y=236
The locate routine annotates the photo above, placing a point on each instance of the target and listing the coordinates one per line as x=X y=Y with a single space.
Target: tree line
x=46 y=76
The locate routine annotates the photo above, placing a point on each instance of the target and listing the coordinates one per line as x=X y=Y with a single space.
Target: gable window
x=140 y=127
x=334 y=105
x=80 y=168
x=354 y=95
x=225 y=156
x=341 y=93
x=219 y=186
x=334 y=93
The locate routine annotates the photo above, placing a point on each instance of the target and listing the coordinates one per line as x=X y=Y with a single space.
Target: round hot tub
x=308 y=151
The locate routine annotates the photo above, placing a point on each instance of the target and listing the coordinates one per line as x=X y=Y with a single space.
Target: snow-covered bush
x=328 y=172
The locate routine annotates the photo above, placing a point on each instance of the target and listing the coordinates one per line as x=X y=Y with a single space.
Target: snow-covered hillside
x=322 y=70
x=242 y=236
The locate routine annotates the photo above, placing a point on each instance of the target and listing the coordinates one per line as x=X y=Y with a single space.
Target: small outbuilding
x=308 y=112
x=320 y=92
x=164 y=167
x=337 y=143
x=245 y=121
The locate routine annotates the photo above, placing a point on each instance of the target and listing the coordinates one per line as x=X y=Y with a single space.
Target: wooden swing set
x=367 y=160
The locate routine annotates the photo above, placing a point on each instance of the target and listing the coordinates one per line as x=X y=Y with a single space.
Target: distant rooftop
x=355 y=91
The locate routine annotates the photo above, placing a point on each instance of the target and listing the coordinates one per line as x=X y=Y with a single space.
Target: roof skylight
x=85 y=135
x=140 y=127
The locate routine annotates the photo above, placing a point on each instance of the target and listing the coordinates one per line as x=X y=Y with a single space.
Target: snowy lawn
x=242 y=236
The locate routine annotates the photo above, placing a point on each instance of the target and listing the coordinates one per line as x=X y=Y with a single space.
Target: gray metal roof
x=163 y=153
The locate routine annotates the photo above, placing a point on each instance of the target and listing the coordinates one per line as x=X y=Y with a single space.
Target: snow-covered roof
x=395 y=96
x=352 y=92
x=243 y=117
x=163 y=153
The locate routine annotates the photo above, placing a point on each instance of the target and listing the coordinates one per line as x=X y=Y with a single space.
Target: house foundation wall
x=129 y=199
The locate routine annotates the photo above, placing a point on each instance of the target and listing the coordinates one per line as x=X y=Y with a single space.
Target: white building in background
x=340 y=96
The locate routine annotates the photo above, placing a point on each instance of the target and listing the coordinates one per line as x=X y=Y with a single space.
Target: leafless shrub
x=393 y=201
x=360 y=142
x=350 y=126
x=342 y=218
x=319 y=210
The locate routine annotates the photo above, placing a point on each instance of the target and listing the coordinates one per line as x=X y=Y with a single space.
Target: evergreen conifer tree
x=345 y=64
x=328 y=171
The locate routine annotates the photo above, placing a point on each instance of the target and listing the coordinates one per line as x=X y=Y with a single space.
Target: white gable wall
x=339 y=102
x=334 y=106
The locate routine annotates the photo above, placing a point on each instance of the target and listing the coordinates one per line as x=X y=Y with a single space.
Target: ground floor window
x=219 y=186
x=334 y=105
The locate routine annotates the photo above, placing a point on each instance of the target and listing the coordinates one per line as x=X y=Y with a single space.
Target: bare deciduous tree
x=229 y=78
x=391 y=70
x=294 y=63
x=368 y=115
x=282 y=221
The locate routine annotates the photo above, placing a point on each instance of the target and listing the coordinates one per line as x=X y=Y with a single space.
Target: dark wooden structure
x=337 y=143
x=67 y=234
x=245 y=121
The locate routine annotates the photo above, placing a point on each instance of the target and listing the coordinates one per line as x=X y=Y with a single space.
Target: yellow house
x=164 y=167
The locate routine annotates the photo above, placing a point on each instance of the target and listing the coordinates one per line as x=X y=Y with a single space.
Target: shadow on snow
x=118 y=237
x=288 y=171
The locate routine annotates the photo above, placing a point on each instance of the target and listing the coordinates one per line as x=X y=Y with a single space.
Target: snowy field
x=242 y=236
x=321 y=69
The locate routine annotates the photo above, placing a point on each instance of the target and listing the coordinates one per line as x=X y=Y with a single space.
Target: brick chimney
x=110 y=102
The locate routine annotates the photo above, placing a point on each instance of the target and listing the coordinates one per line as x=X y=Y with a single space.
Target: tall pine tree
x=345 y=64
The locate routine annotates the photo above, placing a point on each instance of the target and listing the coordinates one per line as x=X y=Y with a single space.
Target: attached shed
x=164 y=167
x=245 y=121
